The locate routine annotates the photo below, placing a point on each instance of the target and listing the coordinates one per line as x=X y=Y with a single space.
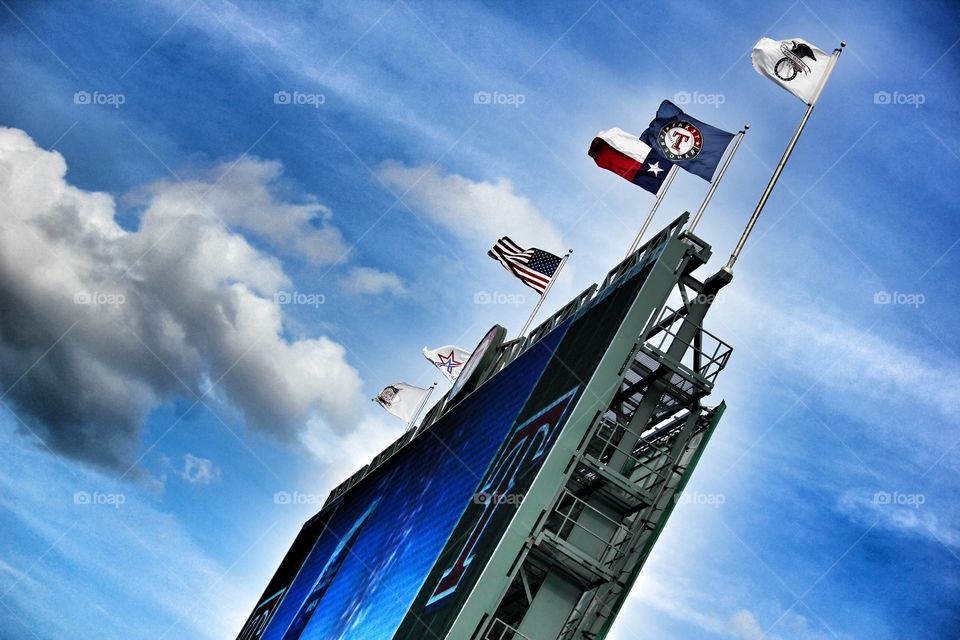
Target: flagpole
x=716 y=182
x=423 y=403
x=553 y=279
x=783 y=160
x=660 y=194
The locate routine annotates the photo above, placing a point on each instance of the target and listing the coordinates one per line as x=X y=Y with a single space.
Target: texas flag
x=629 y=157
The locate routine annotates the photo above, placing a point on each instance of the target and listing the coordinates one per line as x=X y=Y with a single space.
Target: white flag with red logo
x=794 y=64
x=449 y=359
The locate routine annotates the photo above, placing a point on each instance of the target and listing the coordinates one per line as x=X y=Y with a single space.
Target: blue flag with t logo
x=685 y=141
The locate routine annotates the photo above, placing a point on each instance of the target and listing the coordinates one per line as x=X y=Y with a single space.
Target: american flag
x=534 y=267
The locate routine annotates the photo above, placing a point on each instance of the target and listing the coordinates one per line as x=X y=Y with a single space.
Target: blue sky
x=144 y=436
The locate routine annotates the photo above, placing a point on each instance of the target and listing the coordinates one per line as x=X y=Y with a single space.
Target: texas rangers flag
x=794 y=64
x=687 y=142
x=448 y=359
x=630 y=158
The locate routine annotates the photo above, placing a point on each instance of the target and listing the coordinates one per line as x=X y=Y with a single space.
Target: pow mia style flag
x=794 y=64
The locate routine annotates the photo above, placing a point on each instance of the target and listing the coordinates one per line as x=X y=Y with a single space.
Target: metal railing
x=610 y=435
x=500 y=630
x=566 y=519
x=707 y=353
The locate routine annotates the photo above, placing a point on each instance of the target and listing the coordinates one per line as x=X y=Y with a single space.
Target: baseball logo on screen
x=524 y=451
x=261 y=617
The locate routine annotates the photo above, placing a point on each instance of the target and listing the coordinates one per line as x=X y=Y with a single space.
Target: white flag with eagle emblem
x=448 y=359
x=794 y=64
x=401 y=399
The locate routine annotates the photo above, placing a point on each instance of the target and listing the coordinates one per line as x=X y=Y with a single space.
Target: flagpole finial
x=842 y=44
x=746 y=126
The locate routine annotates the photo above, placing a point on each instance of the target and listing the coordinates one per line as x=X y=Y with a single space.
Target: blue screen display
x=381 y=541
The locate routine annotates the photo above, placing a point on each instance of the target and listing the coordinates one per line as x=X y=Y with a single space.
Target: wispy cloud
x=476 y=211
x=370 y=281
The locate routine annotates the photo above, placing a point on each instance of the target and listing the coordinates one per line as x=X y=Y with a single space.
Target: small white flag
x=794 y=64
x=401 y=399
x=448 y=359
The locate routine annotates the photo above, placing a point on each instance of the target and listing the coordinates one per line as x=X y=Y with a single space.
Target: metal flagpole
x=783 y=160
x=723 y=170
x=662 y=192
x=553 y=279
x=423 y=403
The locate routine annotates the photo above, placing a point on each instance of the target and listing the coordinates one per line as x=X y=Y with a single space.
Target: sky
x=225 y=226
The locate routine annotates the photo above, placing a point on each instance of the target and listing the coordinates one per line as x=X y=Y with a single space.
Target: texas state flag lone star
x=630 y=158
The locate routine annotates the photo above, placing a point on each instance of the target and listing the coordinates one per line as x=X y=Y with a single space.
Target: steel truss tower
x=594 y=423
x=580 y=556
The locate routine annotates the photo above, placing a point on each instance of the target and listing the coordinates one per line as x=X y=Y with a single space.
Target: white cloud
x=909 y=514
x=479 y=212
x=241 y=195
x=369 y=281
x=198 y=470
x=873 y=374
x=745 y=626
x=99 y=324
x=342 y=454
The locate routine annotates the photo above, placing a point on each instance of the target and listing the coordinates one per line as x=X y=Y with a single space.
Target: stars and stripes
x=534 y=267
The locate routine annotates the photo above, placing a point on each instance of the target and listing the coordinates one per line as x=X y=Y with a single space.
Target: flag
x=794 y=64
x=534 y=267
x=401 y=399
x=630 y=158
x=448 y=359
x=687 y=142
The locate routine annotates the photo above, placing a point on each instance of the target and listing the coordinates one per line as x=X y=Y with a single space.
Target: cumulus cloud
x=198 y=470
x=478 y=212
x=369 y=281
x=240 y=195
x=99 y=324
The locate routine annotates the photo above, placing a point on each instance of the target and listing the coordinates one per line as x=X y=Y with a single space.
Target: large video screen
x=376 y=546
x=397 y=554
